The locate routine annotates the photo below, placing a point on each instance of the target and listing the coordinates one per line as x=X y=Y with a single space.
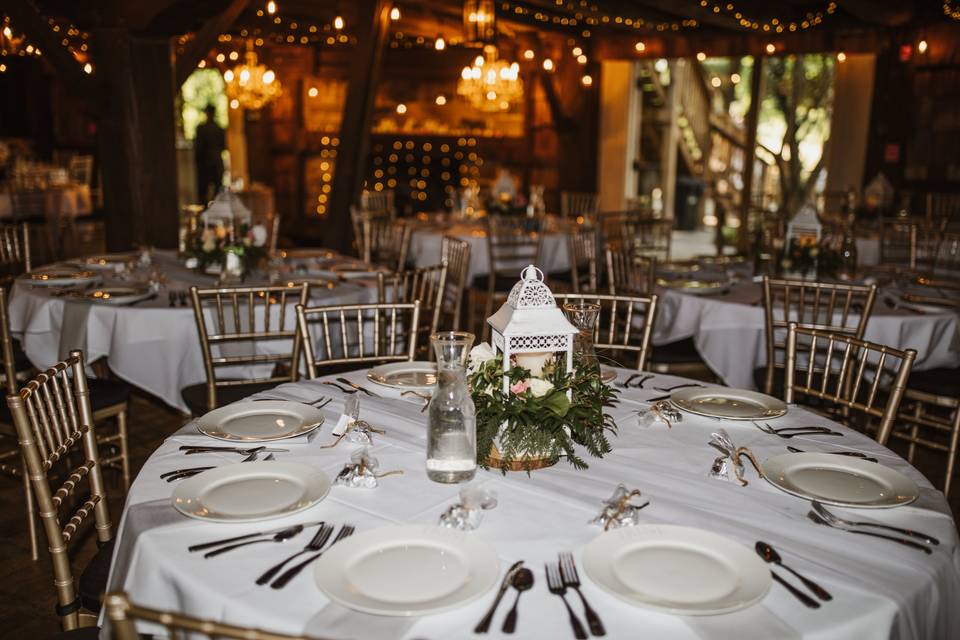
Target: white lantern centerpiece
x=525 y=384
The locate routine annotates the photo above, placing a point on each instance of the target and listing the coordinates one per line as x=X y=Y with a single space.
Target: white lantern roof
x=227 y=207
x=805 y=223
x=531 y=310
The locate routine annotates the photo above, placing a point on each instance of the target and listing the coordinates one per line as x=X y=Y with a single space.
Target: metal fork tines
x=832 y=517
x=815 y=517
x=557 y=588
x=568 y=570
x=316 y=543
x=291 y=573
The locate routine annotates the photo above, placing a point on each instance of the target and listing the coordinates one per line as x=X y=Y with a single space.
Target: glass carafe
x=583 y=316
x=452 y=425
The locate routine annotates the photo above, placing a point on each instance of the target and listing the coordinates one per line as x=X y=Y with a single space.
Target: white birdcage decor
x=530 y=326
x=805 y=224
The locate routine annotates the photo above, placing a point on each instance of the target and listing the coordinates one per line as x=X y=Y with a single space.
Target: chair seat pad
x=93 y=580
x=195 y=396
x=939 y=382
x=679 y=352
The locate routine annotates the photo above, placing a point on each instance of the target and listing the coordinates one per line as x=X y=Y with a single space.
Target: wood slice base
x=494 y=459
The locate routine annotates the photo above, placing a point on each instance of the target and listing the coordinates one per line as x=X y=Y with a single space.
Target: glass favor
x=583 y=316
x=452 y=426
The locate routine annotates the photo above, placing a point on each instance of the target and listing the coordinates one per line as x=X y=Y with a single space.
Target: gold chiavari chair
x=124 y=615
x=907 y=243
x=946 y=263
x=648 y=236
x=456 y=253
x=425 y=285
x=14 y=250
x=357 y=333
x=628 y=273
x=847 y=375
x=379 y=202
x=583 y=248
x=385 y=243
x=248 y=327
x=54 y=422
x=357 y=216
x=574 y=204
x=512 y=244
x=932 y=422
x=835 y=307
x=623 y=326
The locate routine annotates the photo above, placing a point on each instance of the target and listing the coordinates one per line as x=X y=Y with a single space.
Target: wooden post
x=671 y=138
x=356 y=121
x=205 y=38
x=750 y=153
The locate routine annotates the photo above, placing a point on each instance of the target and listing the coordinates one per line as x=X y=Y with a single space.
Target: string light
x=582 y=59
x=440 y=44
x=775 y=25
x=395 y=13
x=313 y=92
x=577 y=51
x=401 y=108
x=529 y=54
x=640 y=47
x=271 y=7
x=569 y=15
x=587 y=81
x=771 y=48
x=338 y=23
x=547 y=64
x=922 y=46
x=735 y=78
x=841 y=57
x=701 y=56
x=715 y=82
x=950 y=10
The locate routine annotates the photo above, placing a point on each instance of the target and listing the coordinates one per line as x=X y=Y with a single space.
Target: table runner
x=880 y=589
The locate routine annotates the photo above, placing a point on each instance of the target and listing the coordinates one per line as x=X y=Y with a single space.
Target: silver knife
x=197 y=449
x=217 y=543
x=484 y=625
x=356 y=386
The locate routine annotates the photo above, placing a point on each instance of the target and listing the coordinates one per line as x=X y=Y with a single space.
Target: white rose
x=481 y=353
x=259 y=235
x=539 y=388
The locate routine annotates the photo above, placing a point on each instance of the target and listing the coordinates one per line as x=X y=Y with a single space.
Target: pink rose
x=520 y=387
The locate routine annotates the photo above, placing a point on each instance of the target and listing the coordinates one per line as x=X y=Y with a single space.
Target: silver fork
x=796 y=431
x=568 y=570
x=815 y=517
x=182 y=474
x=557 y=588
x=316 y=543
x=288 y=575
x=832 y=517
x=338 y=387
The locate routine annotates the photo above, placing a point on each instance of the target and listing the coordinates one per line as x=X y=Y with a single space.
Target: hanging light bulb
x=841 y=57
x=922 y=46
x=271 y=7
x=338 y=23
x=395 y=13
x=440 y=44
x=547 y=64
x=587 y=81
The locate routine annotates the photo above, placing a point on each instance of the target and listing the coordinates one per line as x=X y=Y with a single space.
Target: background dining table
x=880 y=589
x=151 y=344
x=729 y=332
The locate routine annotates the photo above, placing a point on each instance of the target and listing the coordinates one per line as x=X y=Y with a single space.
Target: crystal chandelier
x=252 y=85
x=491 y=84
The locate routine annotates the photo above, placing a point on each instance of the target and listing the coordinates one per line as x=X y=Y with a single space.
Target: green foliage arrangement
x=536 y=419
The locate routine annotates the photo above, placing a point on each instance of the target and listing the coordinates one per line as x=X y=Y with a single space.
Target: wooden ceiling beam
x=204 y=39
x=27 y=18
x=873 y=12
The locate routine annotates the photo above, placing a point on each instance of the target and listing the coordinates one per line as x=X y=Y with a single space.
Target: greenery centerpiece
x=226 y=243
x=534 y=400
x=541 y=417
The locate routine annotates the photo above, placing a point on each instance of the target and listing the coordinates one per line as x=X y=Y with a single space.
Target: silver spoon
x=770 y=554
x=522 y=580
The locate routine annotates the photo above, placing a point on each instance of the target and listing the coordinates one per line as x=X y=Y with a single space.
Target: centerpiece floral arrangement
x=537 y=420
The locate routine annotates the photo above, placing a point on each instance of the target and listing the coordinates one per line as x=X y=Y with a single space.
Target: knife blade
x=484 y=625
x=217 y=543
x=356 y=386
x=191 y=449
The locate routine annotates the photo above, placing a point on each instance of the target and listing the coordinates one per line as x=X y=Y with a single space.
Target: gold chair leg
x=124 y=454
x=31 y=517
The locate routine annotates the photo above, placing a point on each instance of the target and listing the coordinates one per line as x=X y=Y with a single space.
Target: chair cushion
x=83 y=633
x=939 y=382
x=93 y=580
x=679 y=352
x=195 y=396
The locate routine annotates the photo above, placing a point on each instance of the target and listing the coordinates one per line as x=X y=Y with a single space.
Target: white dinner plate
x=118 y=295
x=840 y=480
x=696 y=287
x=251 y=491
x=407 y=570
x=260 y=421
x=731 y=404
x=679 y=570
x=414 y=376
x=59 y=276
x=109 y=260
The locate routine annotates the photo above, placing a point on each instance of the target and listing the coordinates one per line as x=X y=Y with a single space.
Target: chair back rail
x=424 y=284
x=624 y=325
x=54 y=422
x=929 y=421
x=847 y=373
x=512 y=244
x=575 y=204
x=583 y=247
x=456 y=253
x=385 y=243
x=14 y=250
x=357 y=333
x=836 y=307
x=628 y=273
x=238 y=319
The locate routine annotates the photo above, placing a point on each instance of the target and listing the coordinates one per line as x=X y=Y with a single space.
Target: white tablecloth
x=880 y=589
x=151 y=345
x=425 y=248
x=729 y=333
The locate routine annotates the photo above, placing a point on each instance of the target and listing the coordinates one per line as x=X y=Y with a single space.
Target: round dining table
x=879 y=589
x=728 y=329
x=152 y=344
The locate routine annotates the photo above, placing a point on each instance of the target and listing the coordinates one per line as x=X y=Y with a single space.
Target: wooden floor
x=26 y=589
